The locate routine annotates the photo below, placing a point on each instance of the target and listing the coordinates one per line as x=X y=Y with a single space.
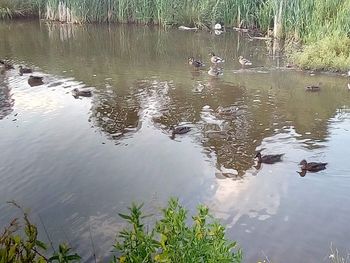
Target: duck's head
x=240 y=57
x=190 y=60
x=20 y=67
x=303 y=163
x=258 y=155
x=211 y=54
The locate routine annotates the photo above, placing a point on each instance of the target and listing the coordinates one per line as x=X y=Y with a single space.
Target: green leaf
x=125 y=216
x=40 y=244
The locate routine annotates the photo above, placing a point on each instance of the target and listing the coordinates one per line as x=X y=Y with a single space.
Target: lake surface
x=76 y=163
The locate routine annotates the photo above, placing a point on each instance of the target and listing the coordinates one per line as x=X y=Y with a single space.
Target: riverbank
x=321 y=27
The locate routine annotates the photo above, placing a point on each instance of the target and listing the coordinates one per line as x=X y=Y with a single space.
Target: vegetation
x=15 y=248
x=171 y=240
x=330 y=53
x=308 y=21
x=17 y=8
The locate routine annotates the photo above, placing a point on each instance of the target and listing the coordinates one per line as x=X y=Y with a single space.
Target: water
x=76 y=163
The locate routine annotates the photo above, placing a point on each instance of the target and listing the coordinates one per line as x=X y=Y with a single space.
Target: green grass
x=306 y=19
x=331 y=53
x=17 y=8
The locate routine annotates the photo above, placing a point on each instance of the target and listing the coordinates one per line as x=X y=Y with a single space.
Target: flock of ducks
x=38 y=80
x=215 y=70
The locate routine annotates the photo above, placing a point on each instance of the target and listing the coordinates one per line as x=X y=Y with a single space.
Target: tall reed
x=305 y=19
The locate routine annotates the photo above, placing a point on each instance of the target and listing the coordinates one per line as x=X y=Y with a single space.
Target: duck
x=269 y=159
x=312 y=166
x=313 y=88
x=35 y=81
x=179 y=130
x=23 y=70
x=244 y=62
x=6 y=65
x=213 y=71
x=195 y=62
x=81 y=93
x=215 y=59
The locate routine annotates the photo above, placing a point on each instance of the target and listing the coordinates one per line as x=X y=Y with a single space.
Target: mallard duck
x=244 y=62
x=180 y=129
x=195 y=62
x=6 y=65
x=269 y=159
x=312 y=167
x=213 y=71
x=215 y=59
x=23 y=70
x=35 y=81
x=312 y=88
x=81 y=93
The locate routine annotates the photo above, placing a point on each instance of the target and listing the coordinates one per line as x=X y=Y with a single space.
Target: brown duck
x=312 y=88
x=313 y=166
x=6 y=65
x=269 y=159
x=35 y=81
x=23 y=70
x=195 y=62
x=179 y=130
x=81 y=93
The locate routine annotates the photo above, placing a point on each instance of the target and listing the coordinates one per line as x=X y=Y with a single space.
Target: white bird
x=217 y=26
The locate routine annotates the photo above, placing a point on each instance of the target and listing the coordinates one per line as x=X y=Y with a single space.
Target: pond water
x=76 y=163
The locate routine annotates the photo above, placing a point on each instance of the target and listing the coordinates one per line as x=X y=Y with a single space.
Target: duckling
x=313 y=166
x=214 y=71
x=23 y=70
x=312 y=88
x=6 y=65
x=81 y=93
x=195 y=62
x=35 y=81
x=215 y=59
x=244 y=62
x=269 y=159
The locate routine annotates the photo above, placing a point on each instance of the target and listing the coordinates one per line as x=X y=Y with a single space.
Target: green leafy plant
x=172 y=240
x=27 y=248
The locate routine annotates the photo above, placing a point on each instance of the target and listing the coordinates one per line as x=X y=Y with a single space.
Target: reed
x=301 y=19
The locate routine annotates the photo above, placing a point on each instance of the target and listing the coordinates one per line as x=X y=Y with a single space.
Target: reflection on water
x=78 y=162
